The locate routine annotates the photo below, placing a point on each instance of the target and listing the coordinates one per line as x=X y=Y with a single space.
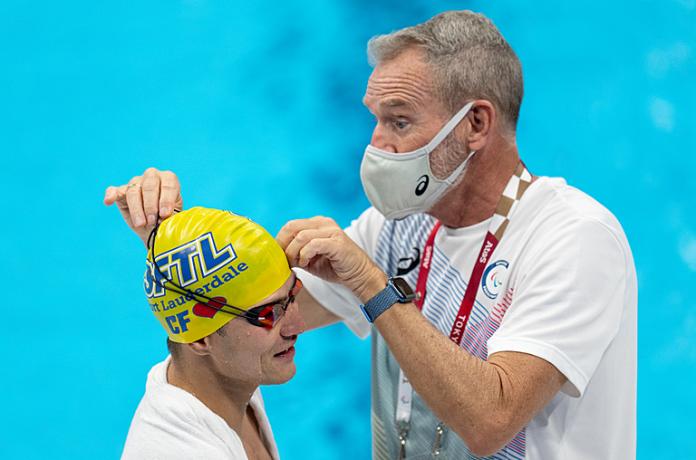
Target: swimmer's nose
x=292 y=322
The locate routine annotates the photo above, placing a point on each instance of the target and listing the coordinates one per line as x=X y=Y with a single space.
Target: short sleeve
x=334 y=297
x=568 y=300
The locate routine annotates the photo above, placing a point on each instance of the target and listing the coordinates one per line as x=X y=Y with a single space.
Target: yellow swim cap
x=212 y=254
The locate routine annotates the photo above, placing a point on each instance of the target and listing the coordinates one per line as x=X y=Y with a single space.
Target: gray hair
x=469 y=57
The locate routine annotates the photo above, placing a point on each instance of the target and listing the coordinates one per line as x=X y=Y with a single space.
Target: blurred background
x=256 y=106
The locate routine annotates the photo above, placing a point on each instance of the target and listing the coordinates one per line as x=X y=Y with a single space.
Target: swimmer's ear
x=200 y=347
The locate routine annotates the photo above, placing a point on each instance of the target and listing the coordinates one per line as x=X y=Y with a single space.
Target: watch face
x=404 y=289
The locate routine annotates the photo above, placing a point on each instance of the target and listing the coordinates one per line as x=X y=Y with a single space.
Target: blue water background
x=256 y=105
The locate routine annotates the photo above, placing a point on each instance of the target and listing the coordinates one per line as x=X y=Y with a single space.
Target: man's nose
x=380 y=141
x=292 y=323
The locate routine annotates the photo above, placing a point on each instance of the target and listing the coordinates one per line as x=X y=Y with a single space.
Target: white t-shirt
x=561 y=285
x=170 y=423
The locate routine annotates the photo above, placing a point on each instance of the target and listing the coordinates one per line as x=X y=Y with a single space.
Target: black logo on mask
x=406 y=264
x=422 y=184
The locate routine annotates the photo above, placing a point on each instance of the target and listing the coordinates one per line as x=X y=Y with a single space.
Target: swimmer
x=221 y=287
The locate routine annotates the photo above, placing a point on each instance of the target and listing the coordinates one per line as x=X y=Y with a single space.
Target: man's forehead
x=394 y=91
x=395 y=102
x=390 y=102
x=401 y=81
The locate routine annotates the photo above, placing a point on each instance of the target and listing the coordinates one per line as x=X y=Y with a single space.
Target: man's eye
x=400 y=124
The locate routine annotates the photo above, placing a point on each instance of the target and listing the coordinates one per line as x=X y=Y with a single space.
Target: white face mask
x=401 y=184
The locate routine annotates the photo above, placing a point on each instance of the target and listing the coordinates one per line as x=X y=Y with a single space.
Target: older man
x=502 y=305
x=220 y=286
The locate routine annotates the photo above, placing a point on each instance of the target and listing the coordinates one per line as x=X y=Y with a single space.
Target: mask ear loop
x=212 y=303
x=448 y=128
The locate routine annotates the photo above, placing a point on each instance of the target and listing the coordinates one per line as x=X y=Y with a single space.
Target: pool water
x=256 y=105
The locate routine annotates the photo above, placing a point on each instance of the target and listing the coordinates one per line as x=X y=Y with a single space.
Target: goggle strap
x=182 y=290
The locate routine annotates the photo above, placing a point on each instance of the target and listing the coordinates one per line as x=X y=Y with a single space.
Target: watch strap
x=384 y=299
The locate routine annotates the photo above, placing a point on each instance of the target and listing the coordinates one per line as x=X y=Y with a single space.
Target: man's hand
x=322 y=248
x=146 y=200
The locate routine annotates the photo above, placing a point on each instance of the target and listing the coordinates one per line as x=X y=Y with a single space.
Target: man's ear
x=481 y=119
x=200 y=347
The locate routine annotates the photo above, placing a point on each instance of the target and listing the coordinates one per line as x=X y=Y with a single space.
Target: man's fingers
x=110 y=195
x=117 y=196
x=324 y=247
x=301 y=239
x=293 y=227
x=134 y=199
x=150 y=191
x=323 y=221
x=288 y=232
x=139 y=201
x=170 y=194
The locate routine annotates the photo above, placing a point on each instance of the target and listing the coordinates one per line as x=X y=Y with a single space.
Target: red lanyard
x=517 y=185
x=467 y=304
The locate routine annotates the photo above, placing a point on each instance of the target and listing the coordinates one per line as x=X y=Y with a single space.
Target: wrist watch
x=397 y=291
